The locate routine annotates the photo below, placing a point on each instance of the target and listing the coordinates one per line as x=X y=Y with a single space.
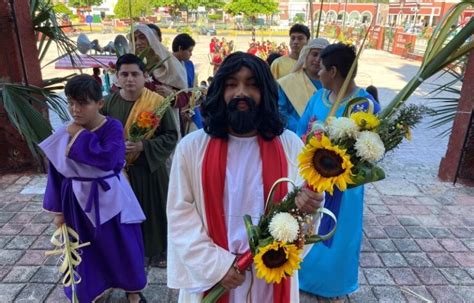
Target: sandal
x=162 y=263
x=159 y=262
x=142 y=297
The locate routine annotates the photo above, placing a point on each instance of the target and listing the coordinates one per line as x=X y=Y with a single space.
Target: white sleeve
x=194 y=261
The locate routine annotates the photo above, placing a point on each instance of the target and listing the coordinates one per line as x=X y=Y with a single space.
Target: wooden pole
x=132 y=32
x=319 y=18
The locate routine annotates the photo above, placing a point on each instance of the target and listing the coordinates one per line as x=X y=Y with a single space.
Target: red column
x=450 y=162
x=14 y=154
x=380 y=38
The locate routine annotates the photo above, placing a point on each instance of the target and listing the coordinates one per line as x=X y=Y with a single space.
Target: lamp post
x=416 y=10
x=311 y=18
x=344 y=16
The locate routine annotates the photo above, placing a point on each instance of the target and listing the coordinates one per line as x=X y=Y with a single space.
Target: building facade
x=421 y=12
x=396 y=12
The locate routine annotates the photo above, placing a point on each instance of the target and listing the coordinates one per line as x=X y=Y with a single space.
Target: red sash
x=274 y=166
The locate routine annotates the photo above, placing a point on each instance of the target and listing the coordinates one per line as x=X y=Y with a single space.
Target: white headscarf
x=171 y=72
x=314 y=43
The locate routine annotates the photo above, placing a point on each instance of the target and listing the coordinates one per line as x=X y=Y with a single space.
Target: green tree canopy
x=77 y=3
x=139 y=8
x=212 y=3
x=61 y=8
x=190 y=4
x=252 y=8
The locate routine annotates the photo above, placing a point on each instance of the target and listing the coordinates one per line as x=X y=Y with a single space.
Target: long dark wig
x=214 y=109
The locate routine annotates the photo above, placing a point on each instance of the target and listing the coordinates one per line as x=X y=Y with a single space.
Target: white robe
x=194 y=261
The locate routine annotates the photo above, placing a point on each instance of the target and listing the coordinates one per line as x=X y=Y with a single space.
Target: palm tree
x=23 y=102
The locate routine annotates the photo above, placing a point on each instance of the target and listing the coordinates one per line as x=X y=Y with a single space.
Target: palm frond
x=48 y=30
x=18 y=101
x=56 y=83
x=444 y=48
x=446 y=106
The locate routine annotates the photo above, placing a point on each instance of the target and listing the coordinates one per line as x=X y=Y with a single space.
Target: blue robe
x=288 y=111
x=190 y=72
x=191 y=76
x=332 y=271
x=115 y=257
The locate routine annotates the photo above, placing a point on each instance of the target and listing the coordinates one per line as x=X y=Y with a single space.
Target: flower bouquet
x=145 y=122
x=150 y=120
x=344 y=151
x=276 y=242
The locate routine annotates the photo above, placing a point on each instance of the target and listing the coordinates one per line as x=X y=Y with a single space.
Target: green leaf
x=18 y=102
x=366 y=172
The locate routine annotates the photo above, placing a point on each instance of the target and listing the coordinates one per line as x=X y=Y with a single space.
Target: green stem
x=214 y=295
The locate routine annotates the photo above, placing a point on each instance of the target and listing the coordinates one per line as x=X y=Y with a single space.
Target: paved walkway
x=418 y=232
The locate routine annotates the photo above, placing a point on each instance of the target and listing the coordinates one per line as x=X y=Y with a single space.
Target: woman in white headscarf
x=171 y=72
x=169 y=76
x=296 y=88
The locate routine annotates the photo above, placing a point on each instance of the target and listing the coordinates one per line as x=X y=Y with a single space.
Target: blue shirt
x=189 y=65
x=319 y=106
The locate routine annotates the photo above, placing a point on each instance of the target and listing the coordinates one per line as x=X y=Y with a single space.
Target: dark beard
x=242 y=122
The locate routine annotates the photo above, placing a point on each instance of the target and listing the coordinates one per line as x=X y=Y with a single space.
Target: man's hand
x=73 y=129
x=58 y=220
x=232 y=279
x=308 y=201
x=164 y=91
x=131 y=147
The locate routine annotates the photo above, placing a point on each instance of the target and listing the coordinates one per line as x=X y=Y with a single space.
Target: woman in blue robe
x=330 y=270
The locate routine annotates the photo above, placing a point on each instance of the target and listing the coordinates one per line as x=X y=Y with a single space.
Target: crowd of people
x=123 y=196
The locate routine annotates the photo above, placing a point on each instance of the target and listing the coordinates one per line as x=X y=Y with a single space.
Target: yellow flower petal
x=275 y=274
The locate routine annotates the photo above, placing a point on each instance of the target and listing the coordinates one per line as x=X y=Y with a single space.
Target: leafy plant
x=61 y=8
x=19 y=102
x=252 y=8
x=445 y=46
x=79 y=3
x=23 y=104
x=446 y=106
x=48 y=30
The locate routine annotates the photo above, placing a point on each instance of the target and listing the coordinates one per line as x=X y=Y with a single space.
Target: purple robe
x=86 y=185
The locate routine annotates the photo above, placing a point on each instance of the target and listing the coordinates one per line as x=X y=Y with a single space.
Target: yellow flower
x=146 y=120
x=324 y=165
x=408 y=134
x=365 y=121
x=277 y=261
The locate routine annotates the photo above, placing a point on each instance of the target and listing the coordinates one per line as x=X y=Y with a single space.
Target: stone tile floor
x=418 y=235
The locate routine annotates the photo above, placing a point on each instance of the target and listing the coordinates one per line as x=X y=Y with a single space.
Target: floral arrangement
x=147 y=121
x=344 y=152
x=277 y=241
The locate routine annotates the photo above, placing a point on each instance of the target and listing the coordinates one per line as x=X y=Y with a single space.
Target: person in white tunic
x=221 y=173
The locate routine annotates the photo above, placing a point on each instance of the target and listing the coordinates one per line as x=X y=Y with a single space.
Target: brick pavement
x=418 y=232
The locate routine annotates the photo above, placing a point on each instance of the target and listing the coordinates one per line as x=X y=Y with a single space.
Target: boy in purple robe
x=87 y=191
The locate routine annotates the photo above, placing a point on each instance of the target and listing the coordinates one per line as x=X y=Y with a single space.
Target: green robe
x=148 y=175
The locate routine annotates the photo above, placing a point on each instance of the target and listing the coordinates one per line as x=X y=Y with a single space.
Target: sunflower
x=365 y=120
x=324 y=165
x=276 y=261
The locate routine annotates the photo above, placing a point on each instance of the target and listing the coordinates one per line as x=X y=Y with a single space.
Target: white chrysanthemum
x=369 y=146
x=341 y=128
x=284 y=227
